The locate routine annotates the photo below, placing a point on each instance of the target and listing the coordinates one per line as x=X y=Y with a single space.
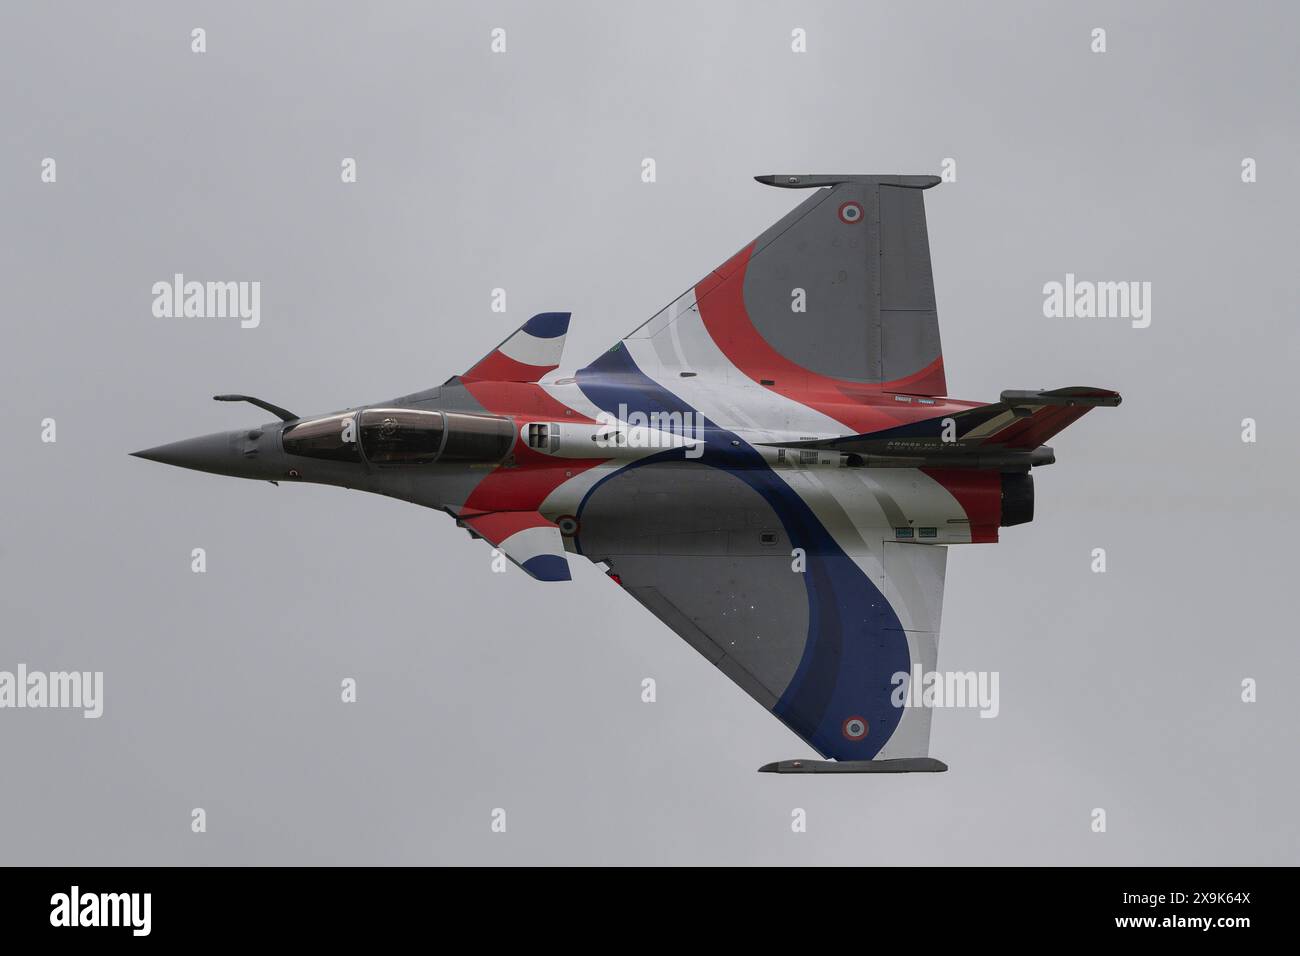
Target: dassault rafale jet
x=770 y=465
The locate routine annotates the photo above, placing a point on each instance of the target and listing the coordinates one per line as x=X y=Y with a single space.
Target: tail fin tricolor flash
x=528 y=354
x=526 y=538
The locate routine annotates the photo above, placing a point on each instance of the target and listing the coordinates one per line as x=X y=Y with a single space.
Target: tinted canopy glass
x=481 y=438
x=401 y=436
x=330 y=438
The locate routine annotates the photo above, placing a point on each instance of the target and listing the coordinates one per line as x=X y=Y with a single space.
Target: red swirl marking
x=721 y=301
x=533 y=476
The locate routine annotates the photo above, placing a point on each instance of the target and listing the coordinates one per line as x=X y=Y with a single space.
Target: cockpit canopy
x=399 y=436
x=402 y=436
x=328 y=438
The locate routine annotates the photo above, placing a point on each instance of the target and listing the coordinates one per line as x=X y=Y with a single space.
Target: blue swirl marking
x=855 y=641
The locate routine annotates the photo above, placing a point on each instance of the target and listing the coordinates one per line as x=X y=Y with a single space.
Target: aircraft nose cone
x=205 y=453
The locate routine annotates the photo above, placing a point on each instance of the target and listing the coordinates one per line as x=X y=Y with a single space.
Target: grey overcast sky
x=522 y=170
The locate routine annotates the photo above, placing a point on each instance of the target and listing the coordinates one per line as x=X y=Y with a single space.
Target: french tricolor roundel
x=855 y=728
x=850 y=212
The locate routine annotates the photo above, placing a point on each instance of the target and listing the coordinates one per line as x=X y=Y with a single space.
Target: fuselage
x=471 y=448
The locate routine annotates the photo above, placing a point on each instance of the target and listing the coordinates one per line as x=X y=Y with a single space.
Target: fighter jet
x=771 y=465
